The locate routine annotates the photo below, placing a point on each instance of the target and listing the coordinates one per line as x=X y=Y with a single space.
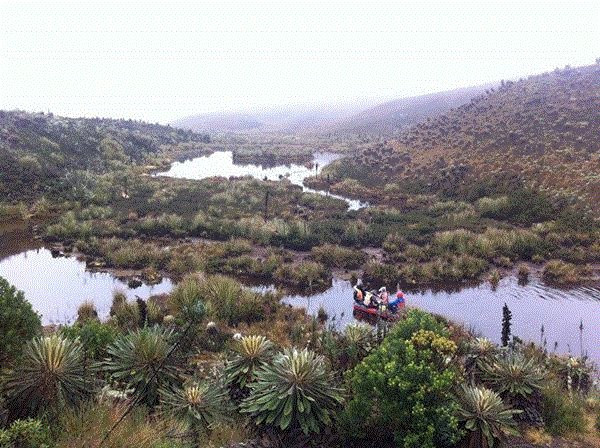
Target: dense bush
x=26 y=434
x=405 y=386
x=18 y=321
x=95 y=337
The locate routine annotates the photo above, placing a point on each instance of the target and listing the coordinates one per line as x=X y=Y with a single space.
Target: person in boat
x=358 y=294
x=383 y=295
x=398 y=302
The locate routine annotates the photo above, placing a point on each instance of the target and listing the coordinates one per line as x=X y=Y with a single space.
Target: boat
x=373 y=312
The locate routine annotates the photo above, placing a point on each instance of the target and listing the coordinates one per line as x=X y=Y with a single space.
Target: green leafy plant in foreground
x=293 y=391
x=18 y=321
x=519 y=380
x=139 y=360
x=50 y=375
x=200 y=405
x=405 y=386
x=27 y=433
x=251 y=353
x=485 y=417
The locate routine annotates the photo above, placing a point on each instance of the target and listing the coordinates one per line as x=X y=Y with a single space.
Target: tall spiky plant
x=198 y=404
x=519 y=380
x=294 y=391
x=250 y=353
x=139 y=361
x=485 y=417
x=50 y=374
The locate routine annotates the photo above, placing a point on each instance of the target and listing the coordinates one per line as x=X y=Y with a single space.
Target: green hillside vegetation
x=541 y=132
x=43 y=153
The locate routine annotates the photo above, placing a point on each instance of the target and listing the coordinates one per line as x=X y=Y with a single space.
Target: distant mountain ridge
x=367 y=117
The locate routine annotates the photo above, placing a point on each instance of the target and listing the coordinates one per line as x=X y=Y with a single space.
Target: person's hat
x=382 y=289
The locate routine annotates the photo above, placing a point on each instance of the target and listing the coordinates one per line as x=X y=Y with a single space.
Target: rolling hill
x=544 y=130
x=366 y=118
x=38 y=151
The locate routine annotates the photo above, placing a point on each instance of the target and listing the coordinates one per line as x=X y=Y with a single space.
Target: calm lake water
x=57 y=286
x=221 y=164
x=480 y=308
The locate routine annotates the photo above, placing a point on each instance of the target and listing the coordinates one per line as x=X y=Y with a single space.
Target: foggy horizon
x=163 y=62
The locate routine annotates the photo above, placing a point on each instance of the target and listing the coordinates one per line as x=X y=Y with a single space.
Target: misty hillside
x=392 y=117
x=373 y=118
x=38 y=150
x=280 y=120
x=544 y=130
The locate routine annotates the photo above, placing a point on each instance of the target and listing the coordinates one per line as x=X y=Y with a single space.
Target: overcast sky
x=162 y=61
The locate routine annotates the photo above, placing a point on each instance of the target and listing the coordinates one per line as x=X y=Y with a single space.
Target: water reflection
x=57 y=286
x=221 y=164
x=480 y=308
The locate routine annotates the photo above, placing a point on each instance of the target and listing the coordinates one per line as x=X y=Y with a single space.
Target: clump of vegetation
x=305 y=274
x=87 y=311
x=416 y=348
x=142 y=360
x=334 y=256
x=485 y=417
x=560 y=272
x=94 y=336
x=563 y=413
x=18 y=321
x=50 y=374
x=294 y=392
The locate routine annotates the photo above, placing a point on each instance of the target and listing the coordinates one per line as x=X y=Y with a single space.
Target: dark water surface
x=221 y=164
x=480 y=308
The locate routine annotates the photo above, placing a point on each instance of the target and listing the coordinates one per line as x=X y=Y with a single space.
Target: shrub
x=25 y=434
x=405 y=386
x=50 y=375
x=381 y=274
x=134 y=358
x=294 y=391
x=87 y=311
x=231 y=302
x=18 y=321
x=563 y=414
x=560 y=272
x=485 y=417
x=305 y=274
x=334 y=256
x=95 y=337
x=185 y=302
x=199 y=405
x=250 y=353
